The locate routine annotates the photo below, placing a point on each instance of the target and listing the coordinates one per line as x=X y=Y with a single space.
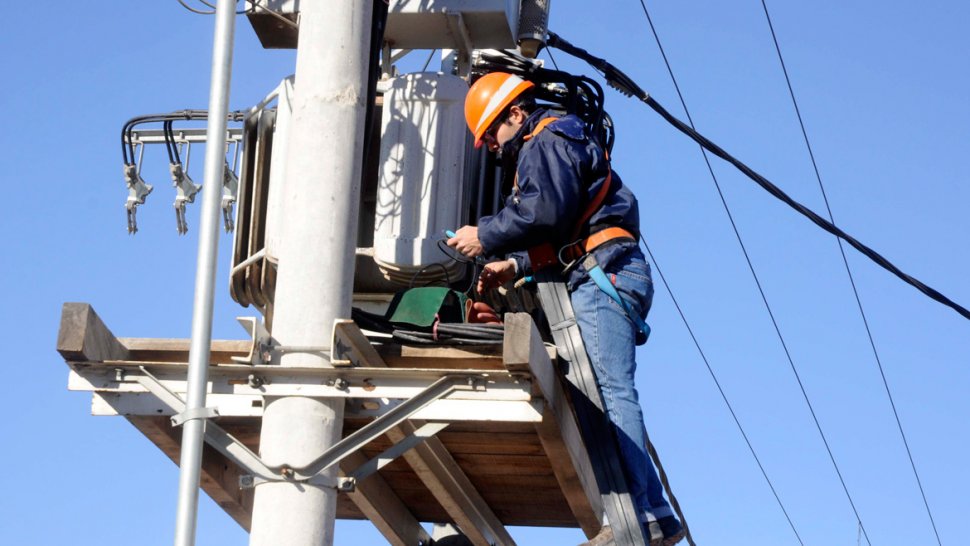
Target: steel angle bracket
x=376 y=428
x=426 y=431
x=313 y=473
x=261 y=349
x=215 y=436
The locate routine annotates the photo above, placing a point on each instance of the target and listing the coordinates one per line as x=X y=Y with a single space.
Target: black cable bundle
x=573 y=94
x=621 y=82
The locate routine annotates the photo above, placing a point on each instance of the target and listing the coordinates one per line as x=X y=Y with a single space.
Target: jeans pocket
x=634 y=284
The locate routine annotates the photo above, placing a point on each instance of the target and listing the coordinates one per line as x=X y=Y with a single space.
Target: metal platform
x=504 y=449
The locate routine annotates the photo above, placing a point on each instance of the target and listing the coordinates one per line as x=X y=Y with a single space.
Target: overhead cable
x=757 y=281
x=622 y=83
x=720 y=389
x=848 y=271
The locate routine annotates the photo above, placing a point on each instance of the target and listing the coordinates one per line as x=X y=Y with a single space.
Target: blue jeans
x=610 y=339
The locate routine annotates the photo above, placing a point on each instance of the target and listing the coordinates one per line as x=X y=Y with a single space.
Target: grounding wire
x=428 y=62
x=848 y=271
x=551 y=58
x=764 y=297
x=720 y=389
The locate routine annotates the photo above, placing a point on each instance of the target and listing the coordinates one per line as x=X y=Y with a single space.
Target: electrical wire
x=848 y=271
x=764 y=297
x=720 y=389
x=622 y=83
x=127 y=130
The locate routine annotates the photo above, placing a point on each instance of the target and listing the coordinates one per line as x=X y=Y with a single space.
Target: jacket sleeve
x=547 y=203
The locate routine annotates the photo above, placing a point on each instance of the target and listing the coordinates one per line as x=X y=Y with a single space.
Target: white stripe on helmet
x=495 y=102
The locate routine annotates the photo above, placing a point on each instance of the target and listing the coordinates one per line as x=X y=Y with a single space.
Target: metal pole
x=190 y=460
x=316 y=259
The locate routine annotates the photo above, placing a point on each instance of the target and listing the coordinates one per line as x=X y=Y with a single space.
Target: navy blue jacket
x=559 y=172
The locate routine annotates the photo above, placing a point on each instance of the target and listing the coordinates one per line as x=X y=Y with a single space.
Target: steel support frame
x=313 y=473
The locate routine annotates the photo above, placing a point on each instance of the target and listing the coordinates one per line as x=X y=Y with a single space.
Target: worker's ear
x=516 y=114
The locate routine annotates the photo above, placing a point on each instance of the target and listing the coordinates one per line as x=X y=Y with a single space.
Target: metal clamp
x=196 y=413
x=250 y=481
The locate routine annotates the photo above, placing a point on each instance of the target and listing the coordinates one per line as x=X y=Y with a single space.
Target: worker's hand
x=480 y=312
x=496 y=274
x=466 y=241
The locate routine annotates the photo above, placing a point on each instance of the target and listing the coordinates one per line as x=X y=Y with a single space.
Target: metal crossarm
x=593 y=421
x=232 y=448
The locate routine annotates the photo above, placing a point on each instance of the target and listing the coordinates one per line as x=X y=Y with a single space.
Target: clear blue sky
x=883 y=88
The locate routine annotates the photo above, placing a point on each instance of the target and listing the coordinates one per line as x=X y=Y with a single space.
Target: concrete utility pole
x=316 y=270
x=190 y=460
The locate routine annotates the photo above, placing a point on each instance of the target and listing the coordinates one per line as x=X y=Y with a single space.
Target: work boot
x=672 y=530
x=603 y=538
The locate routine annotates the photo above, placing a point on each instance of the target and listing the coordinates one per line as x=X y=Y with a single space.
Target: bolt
x=287 y=472
x=246 y=482
x=119 y=374
x=255 y=381
x=339 y=383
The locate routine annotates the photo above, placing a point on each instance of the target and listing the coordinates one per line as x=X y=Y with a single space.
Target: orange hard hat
x=488 y=97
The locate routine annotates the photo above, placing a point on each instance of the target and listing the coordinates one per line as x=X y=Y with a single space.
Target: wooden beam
x=83 y=337
x=558 y=431
x=439 y=472
x=378 y=502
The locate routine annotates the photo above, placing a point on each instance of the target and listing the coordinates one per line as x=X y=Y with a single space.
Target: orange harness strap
x=544 y=255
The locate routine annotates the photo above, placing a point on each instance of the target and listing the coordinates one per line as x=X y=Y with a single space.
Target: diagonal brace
x=215 y=436
x=385 y=457
x=236 y=451
x=376 y=428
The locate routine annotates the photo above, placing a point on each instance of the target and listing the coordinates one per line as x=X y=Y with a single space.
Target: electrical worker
x=566 y=195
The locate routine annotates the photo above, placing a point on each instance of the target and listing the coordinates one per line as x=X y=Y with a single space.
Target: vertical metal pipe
x=190 y=460
x=316 y=258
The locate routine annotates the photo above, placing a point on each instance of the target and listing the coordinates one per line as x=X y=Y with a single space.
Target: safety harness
x=581 y=250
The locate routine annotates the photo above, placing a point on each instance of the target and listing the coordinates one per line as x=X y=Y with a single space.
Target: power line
x=755 y=276
x=717 y=383
x=622 y=83
x=848 y=271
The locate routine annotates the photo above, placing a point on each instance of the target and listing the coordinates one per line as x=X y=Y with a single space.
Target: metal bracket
x=215 y=436
x=197 y=413
x=376 y=428
x=261 y=350
x=340 y=484
x=426 y=431
x=313 y=473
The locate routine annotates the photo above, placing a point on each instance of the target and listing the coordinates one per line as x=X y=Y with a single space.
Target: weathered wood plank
x=84 y=337
x=558 y=431
x=451 y=487
x=448 y=358
x=177 y=350
x=383 y=507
